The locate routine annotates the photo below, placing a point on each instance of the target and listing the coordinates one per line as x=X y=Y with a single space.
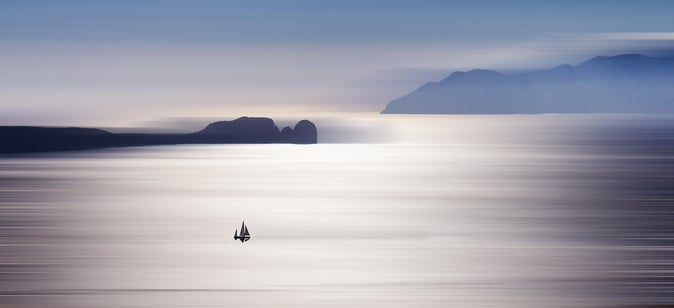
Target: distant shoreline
x=627 y=84
x=244 y=130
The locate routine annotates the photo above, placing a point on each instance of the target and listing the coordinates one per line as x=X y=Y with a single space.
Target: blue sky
x=65 y=61
x=321 y=21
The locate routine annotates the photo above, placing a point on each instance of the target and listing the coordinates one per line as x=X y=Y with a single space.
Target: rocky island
x=27 y=139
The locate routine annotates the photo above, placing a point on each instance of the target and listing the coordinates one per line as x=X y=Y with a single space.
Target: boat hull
x=242 y=238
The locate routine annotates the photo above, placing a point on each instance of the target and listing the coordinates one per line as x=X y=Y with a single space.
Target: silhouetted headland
x=26 y=139
x=630 y=83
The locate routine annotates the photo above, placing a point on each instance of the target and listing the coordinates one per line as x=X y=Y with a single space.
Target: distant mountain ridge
x=27 y=139
x=629 y=83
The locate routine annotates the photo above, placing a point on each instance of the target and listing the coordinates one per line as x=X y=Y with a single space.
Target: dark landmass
x=26 y=139
x=630 y=83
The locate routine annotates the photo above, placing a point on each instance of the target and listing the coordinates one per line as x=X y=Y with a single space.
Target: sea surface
x=439 y=211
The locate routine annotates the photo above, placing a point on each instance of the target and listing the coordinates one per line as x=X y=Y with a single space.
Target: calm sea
x=439 y=211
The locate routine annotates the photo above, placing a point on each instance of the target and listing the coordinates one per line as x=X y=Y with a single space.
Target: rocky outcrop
x=304 y=132
x=243 y=126
x=244 y=130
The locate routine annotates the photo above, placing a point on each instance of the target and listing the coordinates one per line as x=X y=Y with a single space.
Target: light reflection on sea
x=463 y=211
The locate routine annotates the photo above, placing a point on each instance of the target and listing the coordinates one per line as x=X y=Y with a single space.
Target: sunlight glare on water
x=458 y=211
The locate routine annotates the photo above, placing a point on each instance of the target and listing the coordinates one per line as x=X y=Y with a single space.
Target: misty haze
x=630 y=83
x=351 y=153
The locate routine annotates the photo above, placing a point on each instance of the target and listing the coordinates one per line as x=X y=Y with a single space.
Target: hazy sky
x=90 y=61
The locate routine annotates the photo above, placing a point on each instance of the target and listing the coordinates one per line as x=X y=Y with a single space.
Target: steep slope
x=629 y=83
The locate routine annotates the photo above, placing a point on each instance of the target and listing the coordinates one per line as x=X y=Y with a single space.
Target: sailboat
x=244 y=235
